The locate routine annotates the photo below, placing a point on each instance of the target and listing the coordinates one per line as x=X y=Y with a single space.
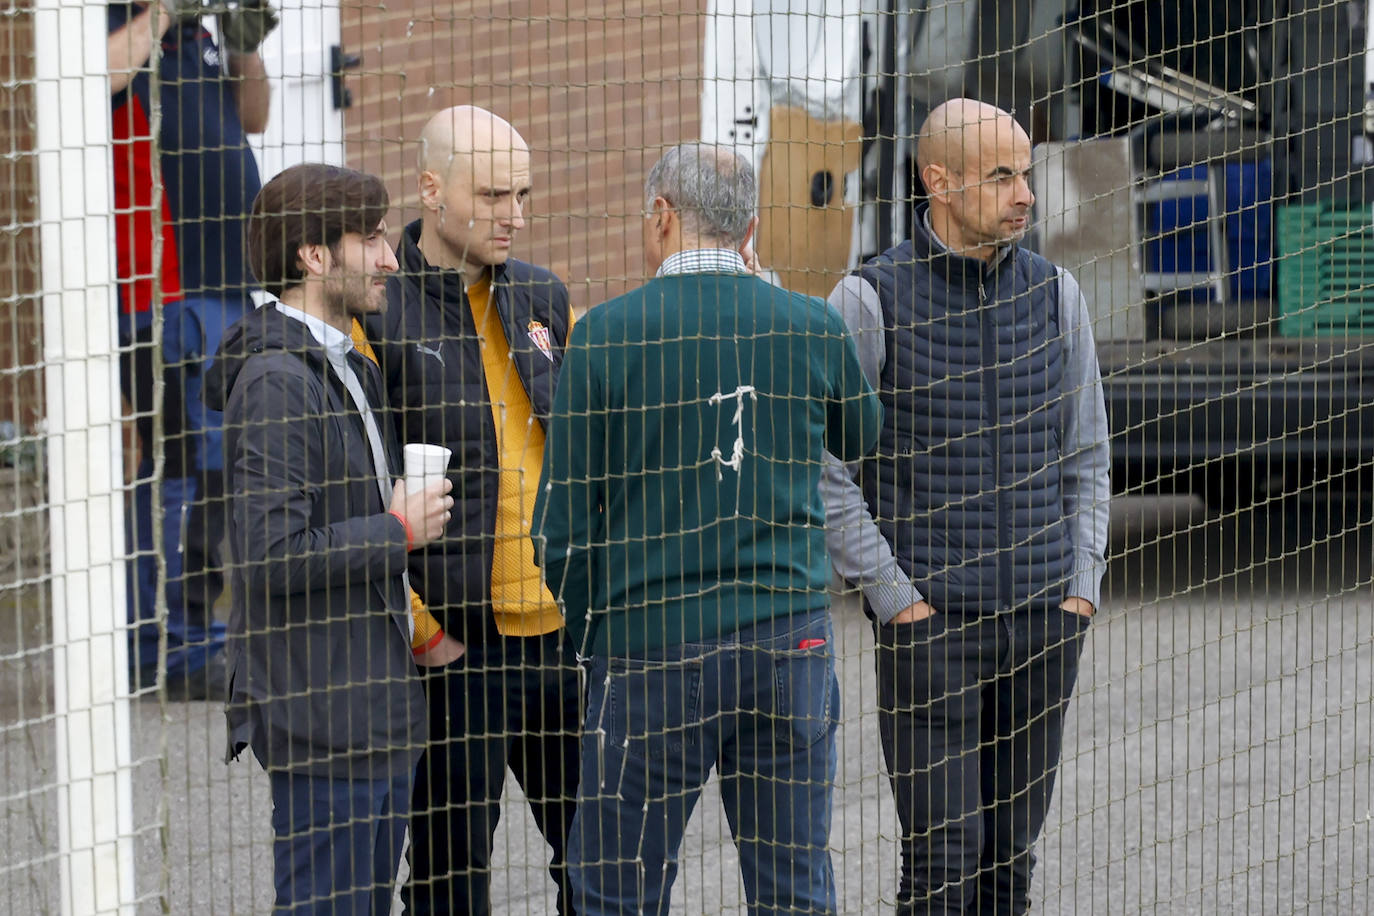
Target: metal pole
x=84 y=448
x=1369 y=67
x=888 y=187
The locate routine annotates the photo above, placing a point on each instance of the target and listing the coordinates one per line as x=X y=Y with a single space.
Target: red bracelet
x=429 y=645
x=410 y=538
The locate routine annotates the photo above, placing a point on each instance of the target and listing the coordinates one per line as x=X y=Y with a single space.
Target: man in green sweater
x=679 y=523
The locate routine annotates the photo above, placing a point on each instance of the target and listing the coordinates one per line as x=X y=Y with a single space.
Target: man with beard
x=323 y=684
x=470 y=345
x=978 y=530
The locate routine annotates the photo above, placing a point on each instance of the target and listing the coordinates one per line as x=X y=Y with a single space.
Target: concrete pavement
x=1218 y=758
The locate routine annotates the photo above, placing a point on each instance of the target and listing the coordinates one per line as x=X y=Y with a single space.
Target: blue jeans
x=971 y=714
x=756 y=706
x=192 y=520
x=337 y=843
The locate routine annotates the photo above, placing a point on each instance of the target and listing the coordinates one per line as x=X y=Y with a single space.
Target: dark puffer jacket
x=966 y=484
x=431 y=357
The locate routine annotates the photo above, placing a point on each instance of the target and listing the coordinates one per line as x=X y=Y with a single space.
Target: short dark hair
x=308 y=204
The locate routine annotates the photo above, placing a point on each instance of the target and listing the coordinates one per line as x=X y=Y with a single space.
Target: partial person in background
x=470 y=345
x=978 y=531
x=179 y=247
x=680 y=525
x=325 y=689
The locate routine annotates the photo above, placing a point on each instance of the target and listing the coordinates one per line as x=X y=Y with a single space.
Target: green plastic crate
x=1325 y=271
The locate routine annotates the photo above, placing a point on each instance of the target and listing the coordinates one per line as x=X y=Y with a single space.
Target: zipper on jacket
x=511 y=330
x=993 y=404
x=489 y=506
x=524 y=373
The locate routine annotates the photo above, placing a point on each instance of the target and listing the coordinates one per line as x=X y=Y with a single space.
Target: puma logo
x=434 y=353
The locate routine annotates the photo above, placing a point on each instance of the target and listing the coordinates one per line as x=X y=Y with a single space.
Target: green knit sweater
x=679 y=496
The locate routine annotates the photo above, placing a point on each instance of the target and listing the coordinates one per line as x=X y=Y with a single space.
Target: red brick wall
x=597 y=89
x=20 y=312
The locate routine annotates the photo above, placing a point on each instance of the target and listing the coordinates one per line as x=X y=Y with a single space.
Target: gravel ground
x=1217 y=760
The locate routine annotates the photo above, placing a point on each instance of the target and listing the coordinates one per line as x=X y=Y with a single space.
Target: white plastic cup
x=425 y=464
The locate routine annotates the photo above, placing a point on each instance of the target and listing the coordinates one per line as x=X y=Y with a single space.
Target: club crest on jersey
x=540 y=335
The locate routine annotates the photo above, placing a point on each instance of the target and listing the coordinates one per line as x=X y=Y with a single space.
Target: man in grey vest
x=977 y=533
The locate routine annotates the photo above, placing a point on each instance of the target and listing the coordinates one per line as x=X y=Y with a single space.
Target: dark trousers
x=337 y=844
x=971 y=715
x=192 y=521
x=516 y=702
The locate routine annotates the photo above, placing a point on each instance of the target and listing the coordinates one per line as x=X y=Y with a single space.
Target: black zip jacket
x=322 y=678
x=431 y=358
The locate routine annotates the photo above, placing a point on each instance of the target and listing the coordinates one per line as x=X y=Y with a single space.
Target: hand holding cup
x=425 y=482
x=424 y=512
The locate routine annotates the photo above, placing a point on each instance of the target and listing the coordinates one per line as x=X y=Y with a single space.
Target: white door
x=306 y=124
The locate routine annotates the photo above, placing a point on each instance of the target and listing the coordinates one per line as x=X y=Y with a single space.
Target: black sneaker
x=208 y=684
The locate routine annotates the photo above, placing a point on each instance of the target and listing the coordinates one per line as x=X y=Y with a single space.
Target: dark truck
x=1202 y=167
x=1253 y=236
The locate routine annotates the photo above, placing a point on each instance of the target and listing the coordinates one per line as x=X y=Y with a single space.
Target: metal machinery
x=1203 y=168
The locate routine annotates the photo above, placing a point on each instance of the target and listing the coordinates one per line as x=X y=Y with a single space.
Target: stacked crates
x=1326 y=270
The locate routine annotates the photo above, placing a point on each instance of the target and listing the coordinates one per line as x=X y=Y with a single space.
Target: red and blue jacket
x=208 y=182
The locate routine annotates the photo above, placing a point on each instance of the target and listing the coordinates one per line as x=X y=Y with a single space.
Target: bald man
x=470 y=346
x=977 y=533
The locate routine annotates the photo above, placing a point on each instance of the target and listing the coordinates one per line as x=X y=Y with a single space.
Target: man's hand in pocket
x=448 y=650
x=1080 y=606
x=918 y=611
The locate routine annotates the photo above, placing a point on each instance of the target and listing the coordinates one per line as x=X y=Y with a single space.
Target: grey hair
x=713 y=189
